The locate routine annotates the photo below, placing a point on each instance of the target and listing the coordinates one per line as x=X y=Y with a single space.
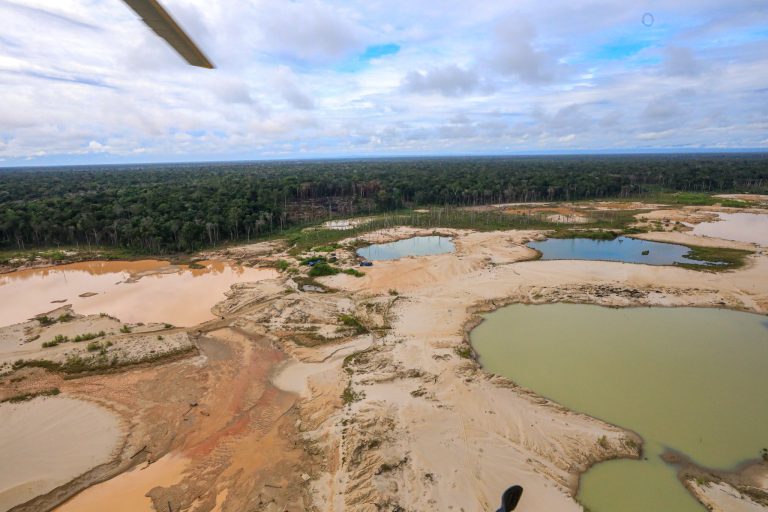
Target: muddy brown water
x=689 y=379
x=133 y=291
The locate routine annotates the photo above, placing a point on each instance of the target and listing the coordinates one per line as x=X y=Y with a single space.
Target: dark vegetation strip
x=77 y=365
x=715 y=259
x=165 y=209
x=25 y=397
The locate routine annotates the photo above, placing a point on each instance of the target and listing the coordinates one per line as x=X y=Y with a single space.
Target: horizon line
x=414 y=156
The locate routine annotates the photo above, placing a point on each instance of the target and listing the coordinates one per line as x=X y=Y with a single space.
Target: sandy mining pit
x=281 y=405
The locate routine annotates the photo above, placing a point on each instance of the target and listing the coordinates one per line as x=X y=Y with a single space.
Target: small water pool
x=417 y=246
x=741 y=227
x=624 y=249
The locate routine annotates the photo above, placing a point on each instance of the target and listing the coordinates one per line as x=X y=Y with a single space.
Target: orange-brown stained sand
x=127 y=492
x=133 y=291
x=239 y=435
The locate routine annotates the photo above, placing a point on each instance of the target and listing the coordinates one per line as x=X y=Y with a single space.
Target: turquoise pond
x=417 y=246
x=624 y=249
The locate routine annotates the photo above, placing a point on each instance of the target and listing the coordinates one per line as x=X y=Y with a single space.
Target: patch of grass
x=464 y=351
x=45 y=320
x=353 y=322
x=37 y=363
x=590 y=234
x=168 y=326
x=701 y=482
x=76 y=364
x=603 y=442
x=55 y=341
x=24 y=397
x=735 y=203
x=89 y=336
x=66 y=317
x=323 y=269
x=685 y=198
x=393 y=292
x=125 y=329
x=730 y=259
x=353 y=272
x=282 y=265
x=94 y=346
x=349 y=395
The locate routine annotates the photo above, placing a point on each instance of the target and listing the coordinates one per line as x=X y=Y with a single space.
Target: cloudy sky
x=84 y=81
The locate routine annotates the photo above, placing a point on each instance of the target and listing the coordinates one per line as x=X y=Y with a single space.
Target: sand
x=461 y=432
x=139 y=291
x=47 y=442
x=721 y=497
x=420 y=426
x=687 y=238
x=759 y=198
x=128 y=491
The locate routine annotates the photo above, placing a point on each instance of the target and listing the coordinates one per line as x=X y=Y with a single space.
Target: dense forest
x=182 y=207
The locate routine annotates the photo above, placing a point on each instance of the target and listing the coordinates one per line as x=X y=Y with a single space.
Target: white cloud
x=86 y=80
x=286 y=83
x=449 y=80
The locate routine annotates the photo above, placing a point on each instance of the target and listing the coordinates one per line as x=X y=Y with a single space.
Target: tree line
x=185 y=207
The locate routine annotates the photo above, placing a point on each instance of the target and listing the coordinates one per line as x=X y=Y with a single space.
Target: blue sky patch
x=620 y=50
x=372 y=52
x=379 y=50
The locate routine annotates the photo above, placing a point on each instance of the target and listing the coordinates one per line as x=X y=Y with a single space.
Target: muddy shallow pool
x=689 y=379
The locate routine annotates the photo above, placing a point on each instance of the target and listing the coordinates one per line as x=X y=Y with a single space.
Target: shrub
x=45 y=320
x=464 y=351
x=351 y=321
x=125 y=329
x=93 y=346
x=55 y=341
x=282 y=265
x=88 y=336
x=323 y=269
x=353 y=272
x=66 y=317
x=350 y=395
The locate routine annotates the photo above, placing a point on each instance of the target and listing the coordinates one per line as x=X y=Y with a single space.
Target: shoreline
x=409 y=395
x=685 y=466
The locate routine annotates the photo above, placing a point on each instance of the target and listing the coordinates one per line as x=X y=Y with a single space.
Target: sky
x=85 y=82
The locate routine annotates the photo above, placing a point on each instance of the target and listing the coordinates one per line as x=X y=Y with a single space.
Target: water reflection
x=416 y=246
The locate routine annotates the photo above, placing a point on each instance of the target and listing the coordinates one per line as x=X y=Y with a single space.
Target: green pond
x=690 y=379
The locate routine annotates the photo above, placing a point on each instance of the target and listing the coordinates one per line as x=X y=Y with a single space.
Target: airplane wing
x=158 y=19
